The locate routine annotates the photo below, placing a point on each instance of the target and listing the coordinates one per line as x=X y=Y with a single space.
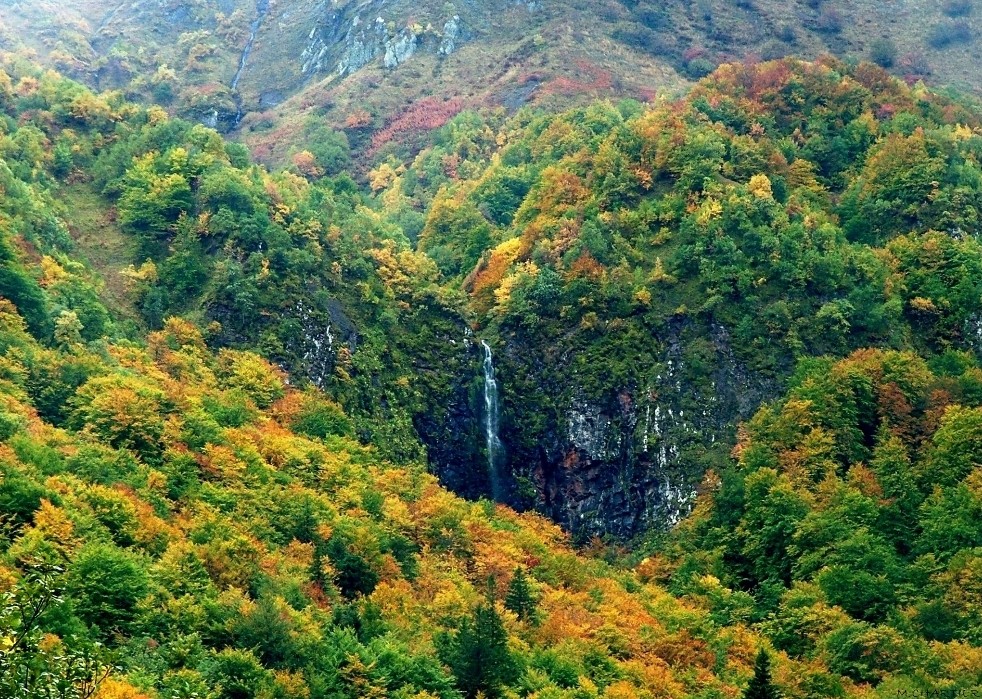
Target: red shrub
x=422 y=116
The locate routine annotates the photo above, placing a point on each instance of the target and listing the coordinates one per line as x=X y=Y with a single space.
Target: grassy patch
x=102 y=245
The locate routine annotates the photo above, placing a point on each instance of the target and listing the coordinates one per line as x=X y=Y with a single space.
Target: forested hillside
x=310 y=274
x=734 y=342
x=195 y=528
x=652 y=275
x=288 y=75
x=646 y=276
x=850 y=515
x=202 y=530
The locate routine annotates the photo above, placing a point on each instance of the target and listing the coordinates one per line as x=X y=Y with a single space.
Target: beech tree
x=32 y=666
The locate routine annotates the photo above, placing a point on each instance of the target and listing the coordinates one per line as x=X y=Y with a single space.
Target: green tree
x=478 y=654
x=321 y=418
x=126 y=411
x=151 y=202
x=237 y=674
x=68 y=329
x=761 y=685
x=883 y=52
x=105 y=584
x=354 y=574
x=30 y=668
x=62 y=161
x=519 y=597
x=17 y=285
x=266 y=630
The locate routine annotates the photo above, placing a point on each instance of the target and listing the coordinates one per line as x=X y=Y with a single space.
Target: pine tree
x=478 y=654
x=760 y=686
x=519 y=597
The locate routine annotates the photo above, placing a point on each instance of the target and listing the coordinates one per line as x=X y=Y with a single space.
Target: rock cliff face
x=598 y=451
x=598 y=455
x=629 y=457
x=350 y=359
x=453 y=429
x=350 y=35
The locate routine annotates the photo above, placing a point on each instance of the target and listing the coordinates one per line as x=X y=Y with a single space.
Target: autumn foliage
x=418 y=119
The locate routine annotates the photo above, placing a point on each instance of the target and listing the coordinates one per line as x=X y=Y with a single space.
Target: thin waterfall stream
x=491 y=419
x=262 y=9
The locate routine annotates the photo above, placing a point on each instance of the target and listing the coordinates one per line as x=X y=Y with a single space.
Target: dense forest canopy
x=225 y=392
x=683 y=258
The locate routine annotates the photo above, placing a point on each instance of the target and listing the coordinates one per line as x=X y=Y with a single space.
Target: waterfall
x=262 y=9
x=491 y=416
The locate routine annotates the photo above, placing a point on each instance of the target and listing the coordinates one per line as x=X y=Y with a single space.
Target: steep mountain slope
x=857 y=493
x=206 y=531
x=308 y=272
x=644 y=278
x=647 y=278
x=219 y=62
x=225 y=538
x=281 y=70
x=177 y=512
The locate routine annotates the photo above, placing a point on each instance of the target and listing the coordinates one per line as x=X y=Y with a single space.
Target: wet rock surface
x=630 y=457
